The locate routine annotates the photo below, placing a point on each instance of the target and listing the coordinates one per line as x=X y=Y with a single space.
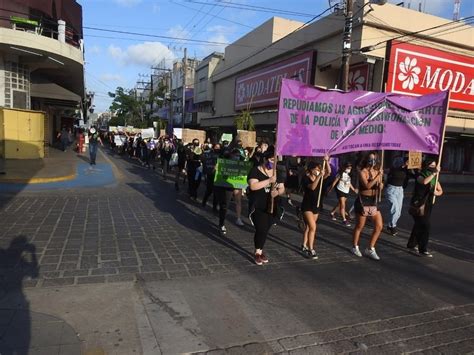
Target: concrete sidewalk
x=58 y=166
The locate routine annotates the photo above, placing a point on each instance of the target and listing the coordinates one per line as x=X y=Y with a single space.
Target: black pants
x=420 y=234
x=193 y=185
x=209 y=190
x=262 y=221
x=222 y=196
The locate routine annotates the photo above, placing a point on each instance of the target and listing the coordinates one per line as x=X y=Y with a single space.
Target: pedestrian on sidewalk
x=396 y=182
x=194 y=172
x=63 y=137
x=264 y=188
x=312 y=202
x=343 y=185
x=366 y=204
x=94 y=139
x=426 y=187
x=181 y=152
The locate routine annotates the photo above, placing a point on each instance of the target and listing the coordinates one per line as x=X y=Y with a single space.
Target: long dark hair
x=343 y=168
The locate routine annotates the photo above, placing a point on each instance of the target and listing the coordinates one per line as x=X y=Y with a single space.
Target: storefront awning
x=49 y=90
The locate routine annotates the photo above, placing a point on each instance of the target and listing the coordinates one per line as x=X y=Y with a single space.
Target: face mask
x=432 y=169
x=372 y=162
x=348 y=171
x=269 y=165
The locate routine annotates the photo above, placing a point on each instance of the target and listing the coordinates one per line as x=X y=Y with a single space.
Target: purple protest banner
x=315 y=122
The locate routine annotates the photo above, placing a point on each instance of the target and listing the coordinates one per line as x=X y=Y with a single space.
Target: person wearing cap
x=94 y=139
x=264 y=188
x=426 y=187
x=396 y=182
x=312 y=202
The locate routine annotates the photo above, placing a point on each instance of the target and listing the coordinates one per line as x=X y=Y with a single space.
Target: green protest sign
x=226 y=137
x=232 y=173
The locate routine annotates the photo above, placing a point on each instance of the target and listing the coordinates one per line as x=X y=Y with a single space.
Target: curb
x=40 y=180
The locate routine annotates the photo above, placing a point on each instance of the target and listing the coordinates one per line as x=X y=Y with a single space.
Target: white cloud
x=111 y=77
x=142 y=54
x=94 y=50
x=127 y=3
x=155 y=8
x=216 y=34
x=178 y=31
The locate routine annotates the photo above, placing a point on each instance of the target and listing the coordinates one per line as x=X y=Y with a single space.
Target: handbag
x=417 y=207
x=174 y=159
x=368 y=211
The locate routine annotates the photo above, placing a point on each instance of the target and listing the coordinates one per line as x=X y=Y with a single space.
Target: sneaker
x=333 y=217
x=264 y=258
x=223 y=230
x=413 y=249
x=312 y=254
x=426 y=254
x=371 y=253
x=392 y=230
x=355 y=250
x=346 y=223
x=258 y=259
x=239 y=222
x=304 y=248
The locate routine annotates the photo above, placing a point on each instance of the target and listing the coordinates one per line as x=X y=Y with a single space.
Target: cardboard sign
x=232 y=173
x=119 y=140
x=226 y=137
x=414 y=160
x=248 y=138
x=148 y=132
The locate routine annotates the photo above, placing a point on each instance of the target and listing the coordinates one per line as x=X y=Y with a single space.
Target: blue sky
x=114 y=59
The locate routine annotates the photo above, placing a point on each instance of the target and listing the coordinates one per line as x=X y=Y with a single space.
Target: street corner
x=86 y=176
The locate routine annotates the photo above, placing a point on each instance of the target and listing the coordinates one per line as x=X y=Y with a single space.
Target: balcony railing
x=46 y=28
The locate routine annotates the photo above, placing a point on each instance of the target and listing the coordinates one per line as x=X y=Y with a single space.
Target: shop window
x=17 y=85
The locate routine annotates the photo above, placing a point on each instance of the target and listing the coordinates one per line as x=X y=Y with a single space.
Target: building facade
x=250 y=75
x=41 y=60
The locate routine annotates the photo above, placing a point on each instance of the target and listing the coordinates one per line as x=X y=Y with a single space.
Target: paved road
x=189 y=290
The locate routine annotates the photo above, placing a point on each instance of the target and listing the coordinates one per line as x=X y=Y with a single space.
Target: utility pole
x=346 y=46
x=185 y=63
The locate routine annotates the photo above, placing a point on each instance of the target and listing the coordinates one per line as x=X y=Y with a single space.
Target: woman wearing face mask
x=237 y=193
x=343 y=186
x=425 y=187
x=263 y=187
x=370 y=183
x=312 y=188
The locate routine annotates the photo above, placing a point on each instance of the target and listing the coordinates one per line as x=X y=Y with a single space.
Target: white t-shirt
x=344 y=183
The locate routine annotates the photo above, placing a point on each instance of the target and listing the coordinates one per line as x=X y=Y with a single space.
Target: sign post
x=440 y=156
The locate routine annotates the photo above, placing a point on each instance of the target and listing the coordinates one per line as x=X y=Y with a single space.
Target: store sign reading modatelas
x=416 y=70
x=262 y=87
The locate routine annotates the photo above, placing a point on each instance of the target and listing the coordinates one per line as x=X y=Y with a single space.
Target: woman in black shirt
x=310 y=207
x=263 y=186
x=426 y=187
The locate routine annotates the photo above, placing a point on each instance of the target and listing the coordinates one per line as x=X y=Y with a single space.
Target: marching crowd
x=270 y=180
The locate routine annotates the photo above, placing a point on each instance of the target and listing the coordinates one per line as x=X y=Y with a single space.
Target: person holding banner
x=426 y=187
x=210 y=161
x=264 y=188
x=370 y=183
x=312 y=202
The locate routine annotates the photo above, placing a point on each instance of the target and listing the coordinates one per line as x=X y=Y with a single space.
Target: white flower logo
x=409 y=73
x=241 y=92
x=356 y=81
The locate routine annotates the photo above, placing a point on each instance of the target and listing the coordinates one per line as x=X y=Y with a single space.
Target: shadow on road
x=17 y=263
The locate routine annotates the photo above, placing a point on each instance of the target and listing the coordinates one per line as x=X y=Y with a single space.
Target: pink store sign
x=261 y=88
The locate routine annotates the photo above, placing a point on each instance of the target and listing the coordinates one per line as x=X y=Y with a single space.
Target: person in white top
x=343 y=186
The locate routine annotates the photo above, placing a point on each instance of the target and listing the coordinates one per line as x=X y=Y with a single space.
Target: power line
x=242 y=6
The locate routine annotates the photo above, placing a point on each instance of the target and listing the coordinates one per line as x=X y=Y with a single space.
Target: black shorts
x=340 y=194
x=311 y=207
